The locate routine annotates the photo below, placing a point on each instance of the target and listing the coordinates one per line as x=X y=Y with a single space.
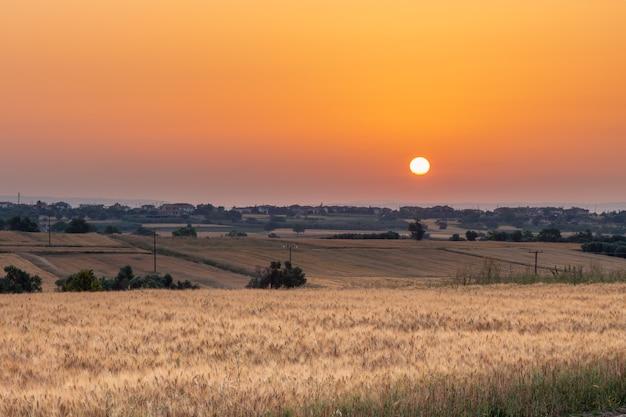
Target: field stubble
x=311 y=351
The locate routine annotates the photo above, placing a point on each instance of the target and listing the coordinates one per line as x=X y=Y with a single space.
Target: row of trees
x=20 y=224
x=386 y=235
x=612 y=246
x=85 y=280
x=617 y=249
x=25 y=224
x=545 y=235
x=549 y=234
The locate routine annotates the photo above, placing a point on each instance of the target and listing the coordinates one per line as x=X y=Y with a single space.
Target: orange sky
x=314 y=101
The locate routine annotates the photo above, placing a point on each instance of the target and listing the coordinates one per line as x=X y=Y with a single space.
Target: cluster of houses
x=542 y=214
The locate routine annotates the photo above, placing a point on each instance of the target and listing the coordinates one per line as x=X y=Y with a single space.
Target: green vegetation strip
x=552 y=390
x=491 y=273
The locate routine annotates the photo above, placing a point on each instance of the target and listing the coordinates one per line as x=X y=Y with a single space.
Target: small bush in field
x=18 y=281
x=83 y=280
x=274 y=277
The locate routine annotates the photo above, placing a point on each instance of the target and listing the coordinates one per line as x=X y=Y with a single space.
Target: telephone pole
x=290 y=246
x=536 y=252
x=154 y=250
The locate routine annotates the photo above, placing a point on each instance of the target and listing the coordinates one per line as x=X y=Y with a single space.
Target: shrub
x=18 y=281
x=234 y=233
x=109 y=230
x=187 y=231
x=78 y=225
x=143 y=231
x=83 y=280
x=123 y=278
x=273 y=277
x=22 y=224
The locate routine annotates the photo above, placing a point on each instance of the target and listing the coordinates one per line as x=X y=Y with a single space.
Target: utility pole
x=290 y=246
x=49 y=237
x=536 y=252
x=154 y=250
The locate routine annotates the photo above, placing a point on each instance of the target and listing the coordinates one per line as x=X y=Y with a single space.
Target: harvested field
x=347 y=263
x=10 y=240
x=225 y=262
x=108 y=265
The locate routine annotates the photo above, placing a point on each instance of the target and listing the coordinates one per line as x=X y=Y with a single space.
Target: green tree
x=22 y=224
x=516 y=236
x=273 y=277
x=292 y=277
x=527 y=236
x=188 y=231
x=549 y=235
x=581 y=237
x=110 y=230
x=83 y=280
x=417 y=230
x=271 y=225
x=77 y=225
x=59 y=226
x=497 y=235
x=298 y=228
x=471 y=235
x=123 y=278
x=18 y=281
x=143 y=231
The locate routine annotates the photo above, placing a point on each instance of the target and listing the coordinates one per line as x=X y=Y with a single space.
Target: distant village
x=382 y=218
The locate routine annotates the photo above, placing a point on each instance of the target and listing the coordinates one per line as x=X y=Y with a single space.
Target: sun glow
x=419 y=165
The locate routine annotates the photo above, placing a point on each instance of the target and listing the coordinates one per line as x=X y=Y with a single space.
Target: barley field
x=420 y=350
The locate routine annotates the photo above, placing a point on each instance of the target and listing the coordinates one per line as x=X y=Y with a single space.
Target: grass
x=500 y=350
x=492 y=272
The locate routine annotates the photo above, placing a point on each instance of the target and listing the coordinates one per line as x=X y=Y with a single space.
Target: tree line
x=85 y=280
x=17 y=281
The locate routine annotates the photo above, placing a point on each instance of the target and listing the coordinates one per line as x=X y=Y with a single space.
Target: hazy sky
x=235 y=102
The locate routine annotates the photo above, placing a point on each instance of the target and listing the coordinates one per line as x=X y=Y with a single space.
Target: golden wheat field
x=218 y=352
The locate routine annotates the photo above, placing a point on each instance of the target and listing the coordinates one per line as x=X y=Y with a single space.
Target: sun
x=419 y=165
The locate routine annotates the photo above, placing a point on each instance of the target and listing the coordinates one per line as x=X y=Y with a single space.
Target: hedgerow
x=85 y=280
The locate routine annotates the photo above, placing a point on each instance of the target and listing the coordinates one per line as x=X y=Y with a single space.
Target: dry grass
x=349 y=263
x=245 y=352
x=58 y=240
